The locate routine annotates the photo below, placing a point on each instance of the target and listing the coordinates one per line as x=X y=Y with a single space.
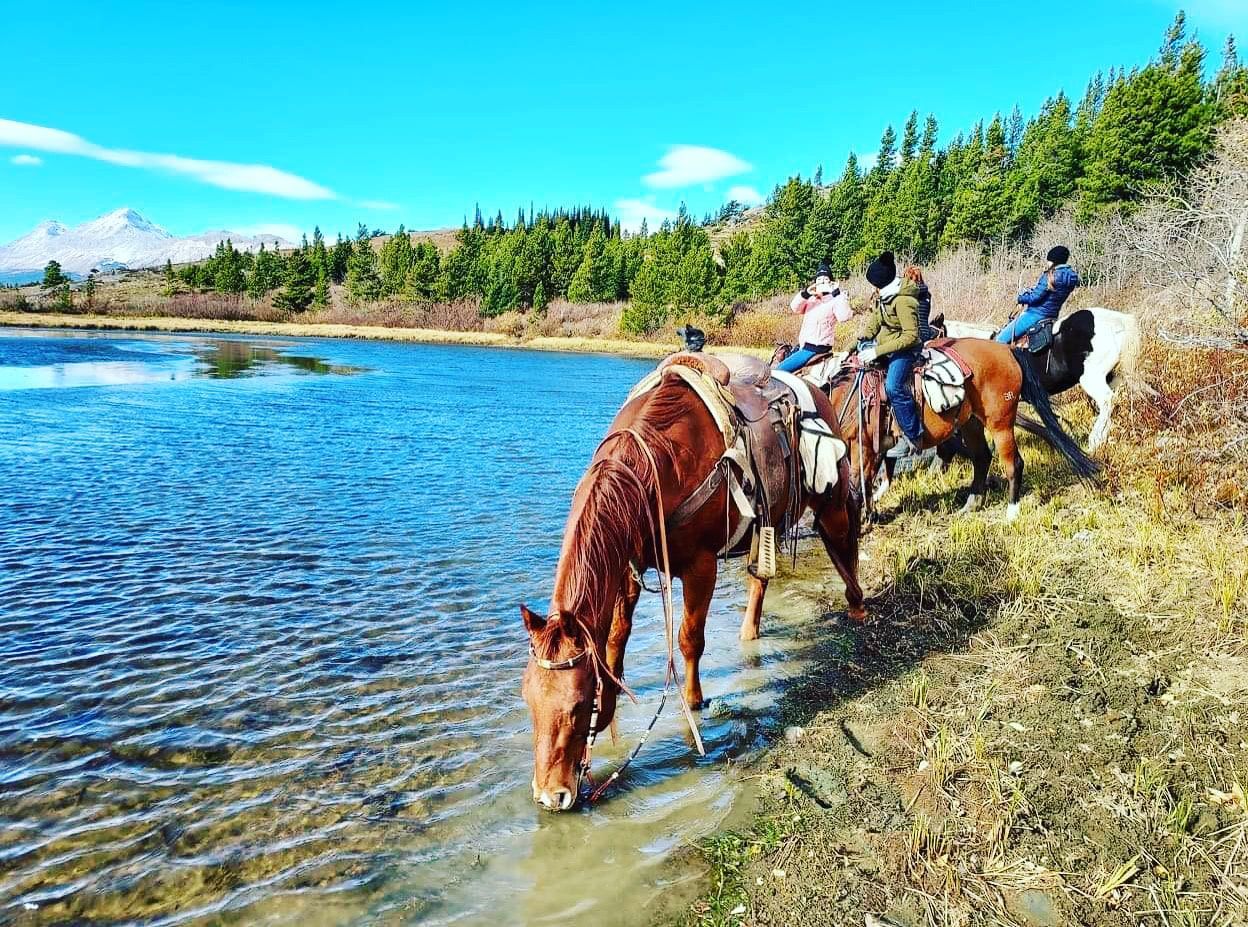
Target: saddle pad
x=713 y=396
x=821 y=372
x=822 y=452
x=943 y=381
x=800 y=388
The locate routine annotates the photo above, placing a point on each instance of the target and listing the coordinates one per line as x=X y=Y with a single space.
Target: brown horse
x=660 y=448
x=1000 y=377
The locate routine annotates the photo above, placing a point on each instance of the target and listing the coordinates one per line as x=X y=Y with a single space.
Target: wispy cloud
x=746 y=196
x=252 y=178
x=26 y=160
x=631 y=213
x=686 y=165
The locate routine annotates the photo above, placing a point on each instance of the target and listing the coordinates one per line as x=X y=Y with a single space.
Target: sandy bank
x=369 y=332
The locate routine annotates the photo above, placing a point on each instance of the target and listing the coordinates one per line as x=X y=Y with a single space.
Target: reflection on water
x=228 y=359
x=261 y=652
x=35 y=360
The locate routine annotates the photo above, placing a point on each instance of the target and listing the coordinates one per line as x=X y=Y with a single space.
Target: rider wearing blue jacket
x=1045 y=299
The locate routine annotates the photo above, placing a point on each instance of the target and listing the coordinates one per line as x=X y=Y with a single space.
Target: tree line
x=1097 y=155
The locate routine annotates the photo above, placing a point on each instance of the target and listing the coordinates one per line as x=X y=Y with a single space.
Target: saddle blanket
x=820 y=448
x=944 y=383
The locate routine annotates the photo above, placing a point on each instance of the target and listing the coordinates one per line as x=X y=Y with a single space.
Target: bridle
x=597 y=662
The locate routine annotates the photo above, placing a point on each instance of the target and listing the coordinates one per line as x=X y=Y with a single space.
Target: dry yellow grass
x=368 y=332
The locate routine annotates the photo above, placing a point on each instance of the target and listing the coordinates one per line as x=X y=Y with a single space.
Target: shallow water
x=260 y=649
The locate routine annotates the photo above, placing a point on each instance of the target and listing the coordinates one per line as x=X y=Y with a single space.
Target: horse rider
x=821 y=305
x=893 y=338
x=1045 y=299
x=914 y=274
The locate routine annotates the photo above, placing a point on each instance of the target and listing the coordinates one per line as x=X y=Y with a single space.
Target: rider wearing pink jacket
x=822 y=306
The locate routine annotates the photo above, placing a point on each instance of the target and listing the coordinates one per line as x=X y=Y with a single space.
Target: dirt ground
x=1043 y=723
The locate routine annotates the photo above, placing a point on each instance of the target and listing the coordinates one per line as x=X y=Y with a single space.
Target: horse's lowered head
x=560 y=686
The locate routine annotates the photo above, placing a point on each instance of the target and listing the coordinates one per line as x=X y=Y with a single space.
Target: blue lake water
x=260 y=649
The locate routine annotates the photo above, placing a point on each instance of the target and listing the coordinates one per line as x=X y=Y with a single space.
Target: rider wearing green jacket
x=894 y=327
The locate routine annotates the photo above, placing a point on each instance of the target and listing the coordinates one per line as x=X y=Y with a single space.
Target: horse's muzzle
x=559 y=799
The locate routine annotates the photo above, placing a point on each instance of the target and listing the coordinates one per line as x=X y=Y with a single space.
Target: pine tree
x=910 y=138
x=848 y=203
x=228 y=276
x=539 y=297
x=1045 y=167
x=171 y=281
x=1176 y=38
x=363 y=281
x=53 y=276
x=1155 y=123
x=884 y=159
x=297 y=294
x=320 y=296
x=1230 y=87
x=396 y=261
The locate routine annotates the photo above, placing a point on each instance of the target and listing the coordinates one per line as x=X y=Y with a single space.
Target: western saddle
x=760 y=413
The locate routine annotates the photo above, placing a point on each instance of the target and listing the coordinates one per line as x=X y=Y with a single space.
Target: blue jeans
x=801 y=357
x=1024 y=321
x=898 y=384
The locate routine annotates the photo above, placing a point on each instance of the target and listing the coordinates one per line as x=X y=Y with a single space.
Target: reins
x=658 y=540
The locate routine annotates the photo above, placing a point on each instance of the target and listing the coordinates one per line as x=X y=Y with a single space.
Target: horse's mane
x=614 y=519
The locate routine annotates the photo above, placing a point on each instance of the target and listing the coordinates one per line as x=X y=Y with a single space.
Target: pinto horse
x=1001 y=376
x=661 y=447
x=1093 y=348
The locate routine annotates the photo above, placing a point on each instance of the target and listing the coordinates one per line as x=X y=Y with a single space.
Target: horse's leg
x=883 y=486
x=1095 y=383
x=617 y=640
x=976 y=445
x=839 y=528
x=755 y=591
x=1007 y=449
x=698 y=585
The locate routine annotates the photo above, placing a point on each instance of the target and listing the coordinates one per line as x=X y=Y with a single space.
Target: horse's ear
x=533 y=622
x=938 y=321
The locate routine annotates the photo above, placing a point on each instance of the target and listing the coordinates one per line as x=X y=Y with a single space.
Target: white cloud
x=252 y=178
x=685 y=165
x=631 y=212
x=746 y=196
x=26 y=160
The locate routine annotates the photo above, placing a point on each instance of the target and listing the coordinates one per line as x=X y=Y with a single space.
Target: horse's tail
x=1128 y=354
x=1051 y=430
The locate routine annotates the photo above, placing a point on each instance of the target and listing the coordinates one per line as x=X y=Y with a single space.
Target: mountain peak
x=122 y=237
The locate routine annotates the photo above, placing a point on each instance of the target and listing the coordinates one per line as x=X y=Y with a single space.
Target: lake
x=260 y=647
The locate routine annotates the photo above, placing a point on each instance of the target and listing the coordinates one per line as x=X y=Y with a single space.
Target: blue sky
x=282 y=116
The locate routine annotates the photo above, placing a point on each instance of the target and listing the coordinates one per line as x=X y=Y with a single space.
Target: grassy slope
x=1042 y=724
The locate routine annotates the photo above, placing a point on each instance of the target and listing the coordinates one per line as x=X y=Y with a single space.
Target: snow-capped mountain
x=122 y=237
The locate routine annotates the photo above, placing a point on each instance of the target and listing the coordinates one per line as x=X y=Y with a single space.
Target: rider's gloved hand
x=867 y=354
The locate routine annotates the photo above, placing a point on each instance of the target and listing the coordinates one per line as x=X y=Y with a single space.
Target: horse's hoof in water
x=972 y=503
x=1011 y=512
x=748 y=634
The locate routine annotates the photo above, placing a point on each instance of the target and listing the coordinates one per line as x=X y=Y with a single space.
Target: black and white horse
x=1094 y=348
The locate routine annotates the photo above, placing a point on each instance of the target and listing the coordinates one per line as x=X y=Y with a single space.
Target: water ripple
x=260 y=652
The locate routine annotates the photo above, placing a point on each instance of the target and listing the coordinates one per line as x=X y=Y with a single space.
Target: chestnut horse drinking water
x=661 y=447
